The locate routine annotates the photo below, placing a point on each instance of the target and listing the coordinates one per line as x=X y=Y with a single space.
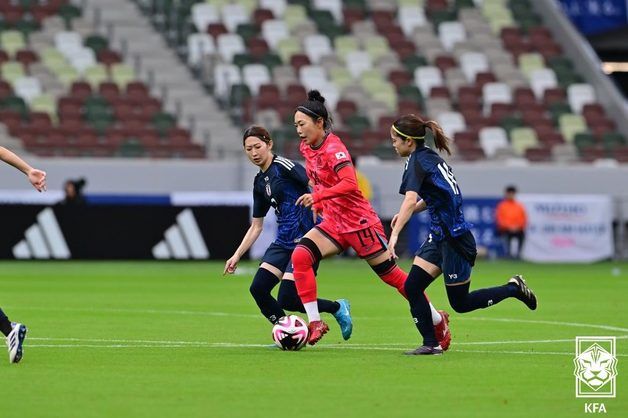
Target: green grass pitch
x=148 y=339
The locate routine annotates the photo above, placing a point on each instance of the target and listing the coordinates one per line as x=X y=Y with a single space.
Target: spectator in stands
x=511 y=221
x=16 y=332
x=74 y=192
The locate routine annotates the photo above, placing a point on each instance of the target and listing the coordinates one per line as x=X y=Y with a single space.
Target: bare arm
x=36 y=177
x=249 y=238
x=405 y=212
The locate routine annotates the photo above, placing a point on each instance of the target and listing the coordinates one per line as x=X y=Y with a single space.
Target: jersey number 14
x=448 y=174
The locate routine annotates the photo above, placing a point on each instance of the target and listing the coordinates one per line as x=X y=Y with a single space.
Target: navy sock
x=289 y=299
x=418 y=280
x=462 y=301
x=5 y=324
x=263 y=282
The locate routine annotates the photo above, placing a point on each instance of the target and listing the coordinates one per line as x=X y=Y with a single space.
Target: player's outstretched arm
x=405 y=212
x=420 y=207
x=257 y=225
x=36 y=177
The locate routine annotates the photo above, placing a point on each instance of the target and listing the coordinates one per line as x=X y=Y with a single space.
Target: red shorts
x=368 y=242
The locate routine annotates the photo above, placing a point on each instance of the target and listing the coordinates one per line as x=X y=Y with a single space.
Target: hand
x=305 y=200
x=392 y=243
x=37 y=179
x=394 y=221
x=231 y=265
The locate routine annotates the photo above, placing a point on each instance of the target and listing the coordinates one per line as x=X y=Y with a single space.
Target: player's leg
x=425 y=269
x=15 y=333
x=314 y=246
x=5 y=324
x=289 y=300
x=266 y=278
x=371 y=245
x=458 y=258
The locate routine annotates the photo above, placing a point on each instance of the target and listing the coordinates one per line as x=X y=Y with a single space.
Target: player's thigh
x=369 y=243
x=324 y=242
x=276 y=259
x=429 y=257
x=458 y=258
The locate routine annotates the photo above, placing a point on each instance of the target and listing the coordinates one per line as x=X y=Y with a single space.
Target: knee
x=458 y=304
x=288 y=302
x=301 y=258
x=305 y=255
x=257 y=290
x=418 y=280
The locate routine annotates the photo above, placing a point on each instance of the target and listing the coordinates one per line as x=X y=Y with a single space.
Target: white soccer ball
x=290 y=333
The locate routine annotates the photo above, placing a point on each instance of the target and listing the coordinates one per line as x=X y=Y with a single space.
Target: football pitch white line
x=209 y=344
x=358 y=318
x=169 y=345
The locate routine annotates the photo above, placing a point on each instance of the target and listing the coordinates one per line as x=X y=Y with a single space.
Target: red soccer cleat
x=443 y=334
x=317 y=329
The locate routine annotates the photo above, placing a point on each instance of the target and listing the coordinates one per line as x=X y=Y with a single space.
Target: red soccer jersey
x=350 y=212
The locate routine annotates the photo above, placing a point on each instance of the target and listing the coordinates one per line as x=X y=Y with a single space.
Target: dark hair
x=315 y=108
x=413 y=127
x=258 y=132
x=511 y=189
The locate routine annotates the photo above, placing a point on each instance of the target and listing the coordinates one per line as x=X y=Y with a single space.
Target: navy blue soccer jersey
x=427 y=174
x=280 y=186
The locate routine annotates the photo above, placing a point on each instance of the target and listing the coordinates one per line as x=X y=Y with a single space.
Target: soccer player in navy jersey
x=279 y=184
x=15 y=333
x=429 y=183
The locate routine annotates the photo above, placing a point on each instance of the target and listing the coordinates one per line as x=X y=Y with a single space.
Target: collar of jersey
x=322 y=142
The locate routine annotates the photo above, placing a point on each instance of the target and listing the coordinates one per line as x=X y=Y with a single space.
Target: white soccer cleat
x=14 y=342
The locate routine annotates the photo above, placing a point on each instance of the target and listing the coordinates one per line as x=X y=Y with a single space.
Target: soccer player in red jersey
x=348 y=218
x=15 y=332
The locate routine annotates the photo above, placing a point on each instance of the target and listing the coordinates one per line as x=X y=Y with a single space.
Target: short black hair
x=511 y=189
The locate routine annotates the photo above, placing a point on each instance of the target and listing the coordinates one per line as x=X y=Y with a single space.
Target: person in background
x=74 y=192
x=511 y=221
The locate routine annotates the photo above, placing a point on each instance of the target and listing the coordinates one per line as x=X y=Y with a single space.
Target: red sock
x=396 y=278
x=304 y=278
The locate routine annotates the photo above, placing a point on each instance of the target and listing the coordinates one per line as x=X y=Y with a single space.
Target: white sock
x=312 y=311
x=436 y=318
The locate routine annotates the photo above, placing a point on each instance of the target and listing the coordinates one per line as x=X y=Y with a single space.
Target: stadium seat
x=409 y=17
x=492 y=139
x=199 y=45
x=579 y=95
x=427 y=77
x=495 y=93
x=202 y=15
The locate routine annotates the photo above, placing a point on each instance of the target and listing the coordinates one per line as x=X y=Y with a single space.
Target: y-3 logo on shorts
x=453 y=276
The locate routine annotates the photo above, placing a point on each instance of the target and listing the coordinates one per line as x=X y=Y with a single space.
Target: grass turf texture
x=147 y=339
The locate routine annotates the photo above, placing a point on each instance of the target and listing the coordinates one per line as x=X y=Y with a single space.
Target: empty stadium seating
x=65 y=94
x=488 y=71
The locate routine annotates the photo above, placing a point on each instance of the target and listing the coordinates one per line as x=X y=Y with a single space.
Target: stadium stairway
x=130 y=31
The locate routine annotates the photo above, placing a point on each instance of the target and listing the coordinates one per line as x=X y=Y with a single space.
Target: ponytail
x=413 y=127
x=441 y=142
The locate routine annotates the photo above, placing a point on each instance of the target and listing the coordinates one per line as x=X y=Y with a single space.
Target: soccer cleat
x=425 y=350
x=343 y=316
x=15 y=339
x=443 y=334
x=526 y=295
x=316 y=329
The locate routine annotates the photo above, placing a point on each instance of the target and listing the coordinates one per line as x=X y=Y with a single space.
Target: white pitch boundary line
x=335 y=347
x=209 y=344
x=359 y=318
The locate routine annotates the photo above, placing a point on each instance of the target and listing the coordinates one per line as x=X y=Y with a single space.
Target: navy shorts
x=454 y=256
x=280 y=257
